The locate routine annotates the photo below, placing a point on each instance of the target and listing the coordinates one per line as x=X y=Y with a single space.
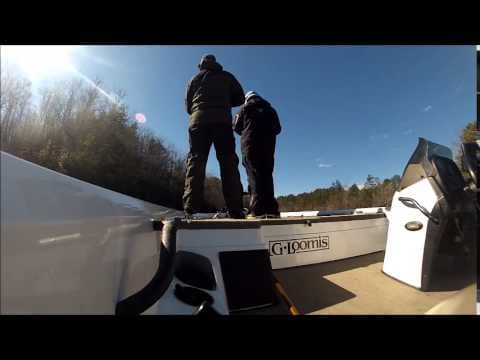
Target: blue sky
x=346 y=111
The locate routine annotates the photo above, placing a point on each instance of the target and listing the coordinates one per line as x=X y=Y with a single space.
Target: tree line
x=373 y=193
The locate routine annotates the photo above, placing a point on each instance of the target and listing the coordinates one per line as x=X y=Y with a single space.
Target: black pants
x=258 y=159
x=201 y=139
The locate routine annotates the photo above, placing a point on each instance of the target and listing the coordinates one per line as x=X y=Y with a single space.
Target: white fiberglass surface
x=405 y=249
x=69 y=247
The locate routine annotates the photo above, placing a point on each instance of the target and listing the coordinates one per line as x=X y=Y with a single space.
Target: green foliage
x=469 y=134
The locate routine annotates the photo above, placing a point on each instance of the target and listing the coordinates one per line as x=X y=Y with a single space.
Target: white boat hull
x=69 y=247
x=300 y=244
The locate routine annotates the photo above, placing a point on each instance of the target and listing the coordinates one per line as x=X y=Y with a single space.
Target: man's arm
x=277 y=128
x=188 y=98
x=238 y=122
x=237 y=96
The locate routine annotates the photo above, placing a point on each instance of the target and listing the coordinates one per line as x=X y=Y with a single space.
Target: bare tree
x=15 y=102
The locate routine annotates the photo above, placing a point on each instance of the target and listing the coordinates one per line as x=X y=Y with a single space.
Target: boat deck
x=357 y=286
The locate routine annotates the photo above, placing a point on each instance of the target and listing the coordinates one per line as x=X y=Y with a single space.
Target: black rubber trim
x=255 y=224
x=139 y=302
x=219 y=224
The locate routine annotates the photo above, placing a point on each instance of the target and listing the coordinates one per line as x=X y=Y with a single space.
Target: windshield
x=438 y=150
x=426 y=150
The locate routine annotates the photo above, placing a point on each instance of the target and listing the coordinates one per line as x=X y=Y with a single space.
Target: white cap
x=250 y=94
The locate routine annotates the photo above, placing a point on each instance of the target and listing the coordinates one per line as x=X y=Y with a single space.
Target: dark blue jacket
x=257 y=118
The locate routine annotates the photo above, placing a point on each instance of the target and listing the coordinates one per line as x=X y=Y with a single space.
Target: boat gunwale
x=215 y=224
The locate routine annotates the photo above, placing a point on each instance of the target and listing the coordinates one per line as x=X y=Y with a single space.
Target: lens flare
x=140 y=118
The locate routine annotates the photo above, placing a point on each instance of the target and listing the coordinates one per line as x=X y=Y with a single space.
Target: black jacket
x=257 y=119
x=211 y=94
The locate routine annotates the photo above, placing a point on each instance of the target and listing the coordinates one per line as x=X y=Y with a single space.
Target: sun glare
x=41 y=61
x=47 y=62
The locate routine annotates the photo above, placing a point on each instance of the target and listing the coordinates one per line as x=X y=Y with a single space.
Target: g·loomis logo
x=295 y=246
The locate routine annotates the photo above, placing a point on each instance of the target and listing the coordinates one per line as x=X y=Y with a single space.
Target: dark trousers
x=201 y=139
x=258 y=159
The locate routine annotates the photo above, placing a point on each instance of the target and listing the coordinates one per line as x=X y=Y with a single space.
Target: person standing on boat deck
x=210 y=96
x=258 y=124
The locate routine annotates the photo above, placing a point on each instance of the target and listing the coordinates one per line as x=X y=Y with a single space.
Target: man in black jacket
x=258 y=124
x=210 y=96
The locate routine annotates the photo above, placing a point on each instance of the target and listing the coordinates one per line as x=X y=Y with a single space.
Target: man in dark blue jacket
x=258 y=124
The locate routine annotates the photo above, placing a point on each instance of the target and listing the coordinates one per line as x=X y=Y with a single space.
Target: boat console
x=432 y=229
